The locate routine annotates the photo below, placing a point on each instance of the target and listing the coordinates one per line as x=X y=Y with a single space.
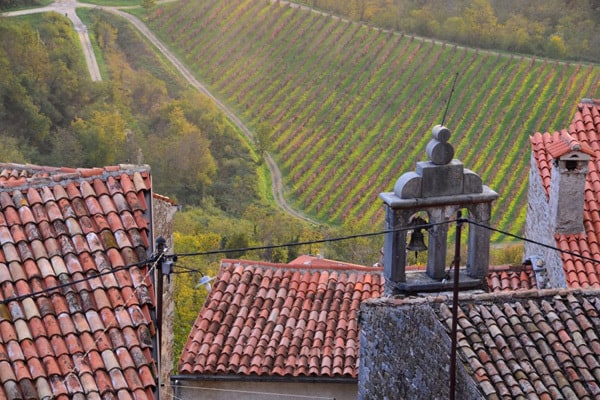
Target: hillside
x=348 y=108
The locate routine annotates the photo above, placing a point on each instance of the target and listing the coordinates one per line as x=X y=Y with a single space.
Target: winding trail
x=276 y=179
x=68 y=7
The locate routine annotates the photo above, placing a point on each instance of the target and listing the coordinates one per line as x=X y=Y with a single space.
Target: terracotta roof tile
x=258 y=316
x=582 y=135
x=510 y=278
x=57 y=225
x=539 y=344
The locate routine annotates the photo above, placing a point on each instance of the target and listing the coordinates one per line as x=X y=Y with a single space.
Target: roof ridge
x=569 y=140
x=45 y=175
x=510 y=267
x=345 y=267
x=559 y=143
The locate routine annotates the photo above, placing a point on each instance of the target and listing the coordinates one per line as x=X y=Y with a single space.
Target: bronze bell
x=417 y=240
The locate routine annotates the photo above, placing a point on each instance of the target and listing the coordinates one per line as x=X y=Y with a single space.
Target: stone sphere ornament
x=440 y=152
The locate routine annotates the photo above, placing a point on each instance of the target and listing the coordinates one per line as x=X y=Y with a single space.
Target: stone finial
x=440 y=152
x=441 y=175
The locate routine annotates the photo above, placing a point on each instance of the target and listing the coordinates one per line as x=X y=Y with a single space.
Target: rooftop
x=280 y=320
x=583 y=135
x=75 y=306
x=297 y=319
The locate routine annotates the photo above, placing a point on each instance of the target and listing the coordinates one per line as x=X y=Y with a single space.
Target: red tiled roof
x=270 y=319
x=564 y=143
x=534 y=344
x=510 y=278
x=66 y=228
x=585 y=130
x=296 y=319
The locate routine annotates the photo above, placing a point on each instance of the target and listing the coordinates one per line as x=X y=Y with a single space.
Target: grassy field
x=350 y=108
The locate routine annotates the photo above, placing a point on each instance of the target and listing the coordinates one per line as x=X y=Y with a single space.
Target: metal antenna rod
x=449 y=97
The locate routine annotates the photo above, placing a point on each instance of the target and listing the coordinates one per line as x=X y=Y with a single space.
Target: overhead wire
x=406 y=228
x=316 y=241
x=73 y=282
x=74 y=370
x=274 y=246
x=571 y=253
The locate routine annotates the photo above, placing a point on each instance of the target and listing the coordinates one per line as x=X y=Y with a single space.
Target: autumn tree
x=148 y=3
x=105 y=132
x=188 y=295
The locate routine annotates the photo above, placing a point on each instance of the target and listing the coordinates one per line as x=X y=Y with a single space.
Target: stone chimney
x=567 y=187
x=437 y=188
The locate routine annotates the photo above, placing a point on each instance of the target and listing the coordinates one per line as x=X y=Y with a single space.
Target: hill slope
x=348 y=108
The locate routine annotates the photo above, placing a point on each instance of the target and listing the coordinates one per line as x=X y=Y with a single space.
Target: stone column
x=394 y=250
x=478 y=256
x=438 y=239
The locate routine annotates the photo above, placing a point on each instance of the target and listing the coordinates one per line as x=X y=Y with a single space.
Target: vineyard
x=350 y=108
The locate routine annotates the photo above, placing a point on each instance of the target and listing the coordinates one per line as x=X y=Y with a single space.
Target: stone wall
x=540 y=227
x=405 y=354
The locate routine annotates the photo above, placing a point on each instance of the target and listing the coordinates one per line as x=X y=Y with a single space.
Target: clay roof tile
x=271 y=348
x=61 y=232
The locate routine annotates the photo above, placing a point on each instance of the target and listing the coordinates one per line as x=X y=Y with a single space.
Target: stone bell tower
x=437 y=188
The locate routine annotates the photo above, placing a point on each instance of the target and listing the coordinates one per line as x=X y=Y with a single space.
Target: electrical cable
x=263 y=394
x=310 y=242
x=340 y=238
x=571 y=253
x=63 y=285
x=74 y=369
x=425 y=226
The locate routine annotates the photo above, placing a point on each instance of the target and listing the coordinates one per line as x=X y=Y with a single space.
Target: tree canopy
x=563 y=29
x=52 y=114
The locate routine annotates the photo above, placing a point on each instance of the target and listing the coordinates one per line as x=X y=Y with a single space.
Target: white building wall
x=256 y=390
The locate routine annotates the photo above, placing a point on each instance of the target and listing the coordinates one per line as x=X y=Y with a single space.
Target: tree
x=556 y=47
x=180 y=156
x=103 y=137
x=148 y=3
x=262 y=137
x=481 y=23
x=10 y=150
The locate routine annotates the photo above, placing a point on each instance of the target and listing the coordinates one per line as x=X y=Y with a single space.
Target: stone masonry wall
x=405 y=354
x=540 y=227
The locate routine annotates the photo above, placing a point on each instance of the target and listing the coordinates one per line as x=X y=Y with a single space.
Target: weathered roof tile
x=249 y=327
x=583 y=135
x=56 y=226
x=538 y=351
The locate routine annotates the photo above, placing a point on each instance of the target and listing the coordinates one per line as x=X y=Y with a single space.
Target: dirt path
x=68 y=7
x=276 y=179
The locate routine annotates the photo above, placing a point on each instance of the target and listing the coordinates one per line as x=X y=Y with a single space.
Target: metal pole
x=160 y=249
x=455 y=308
x=161 y=246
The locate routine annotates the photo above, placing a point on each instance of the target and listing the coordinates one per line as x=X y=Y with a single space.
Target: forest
x=52 y=114
x=565 y=29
